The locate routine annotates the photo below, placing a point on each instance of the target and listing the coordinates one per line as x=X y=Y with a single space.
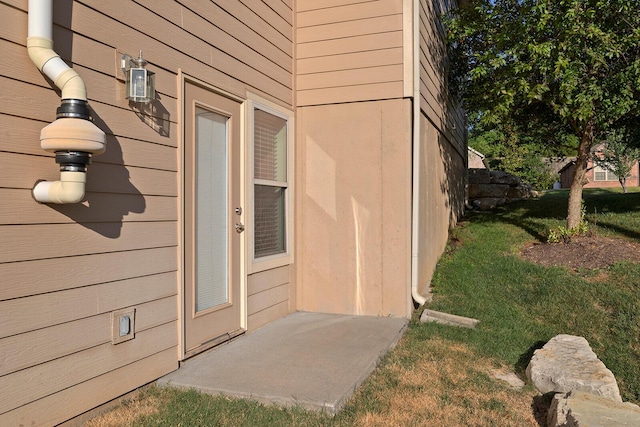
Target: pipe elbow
x=419 y=299
x=70 y=189
x=40 y=51
x=65 y=78
x=71 y=85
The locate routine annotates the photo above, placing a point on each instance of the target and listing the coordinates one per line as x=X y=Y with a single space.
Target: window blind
x=270 y=183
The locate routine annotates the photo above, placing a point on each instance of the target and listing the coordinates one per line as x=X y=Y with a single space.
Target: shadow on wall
x=453 y=181
x=452 y=120
x=451 y=126
x=110 y=194
x=154 y=115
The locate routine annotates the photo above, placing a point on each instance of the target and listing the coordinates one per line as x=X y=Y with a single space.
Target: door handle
x=239 y=227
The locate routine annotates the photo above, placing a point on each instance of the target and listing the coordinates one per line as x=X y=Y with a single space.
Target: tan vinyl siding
x=65 y=268
x=443 y=150
x=268 y=296
x=349 y=51
x=435 y=102
x=53 y=409
x=41 y=345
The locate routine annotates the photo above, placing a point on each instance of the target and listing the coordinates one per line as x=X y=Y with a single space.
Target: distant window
x=602 y=174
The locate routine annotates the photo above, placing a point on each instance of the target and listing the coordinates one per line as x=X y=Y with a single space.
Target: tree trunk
x=623 y=182
x=579 y=180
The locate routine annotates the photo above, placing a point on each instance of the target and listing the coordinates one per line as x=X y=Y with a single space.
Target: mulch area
x=588 y=252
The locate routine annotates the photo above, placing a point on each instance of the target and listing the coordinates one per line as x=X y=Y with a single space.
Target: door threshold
x=208 y=345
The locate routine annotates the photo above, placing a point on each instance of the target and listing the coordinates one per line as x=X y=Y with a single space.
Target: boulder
x=479 y=176
x=479 y=191
x=509 y=377
x=578 y=408
x=518 y=193
x=567 y=363
x=501 y=177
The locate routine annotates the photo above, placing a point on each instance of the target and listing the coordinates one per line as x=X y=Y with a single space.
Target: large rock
x=502 y=177
x=479 y=176
x=477 y=191
x=518 y=193
x=581 y=409
x=567 y=363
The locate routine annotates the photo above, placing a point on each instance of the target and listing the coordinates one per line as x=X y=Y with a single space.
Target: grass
x=441 y=375
x=522 y=305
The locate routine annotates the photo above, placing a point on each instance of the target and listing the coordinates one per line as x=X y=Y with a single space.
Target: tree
x=618 y=156
x=519 y=155
x=556 y=67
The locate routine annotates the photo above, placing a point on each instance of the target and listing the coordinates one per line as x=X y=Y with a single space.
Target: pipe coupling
x=75 y=109
x=73 y=161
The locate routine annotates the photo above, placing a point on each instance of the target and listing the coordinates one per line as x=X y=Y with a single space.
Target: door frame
x=183 y=79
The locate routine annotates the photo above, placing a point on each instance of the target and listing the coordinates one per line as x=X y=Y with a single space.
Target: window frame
x=285 y=258
x=607 y=174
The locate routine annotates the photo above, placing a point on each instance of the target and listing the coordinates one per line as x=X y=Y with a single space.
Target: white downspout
x=40 y=49
x=415 y=197
x=73 y=136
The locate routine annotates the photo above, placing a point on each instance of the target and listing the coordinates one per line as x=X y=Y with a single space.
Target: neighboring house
x=476 y=159
x=322 y=128
x=597 y=176
x=556 y=165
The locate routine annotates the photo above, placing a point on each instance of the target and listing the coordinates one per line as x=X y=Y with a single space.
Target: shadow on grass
x=536 y=216
x=632 y=234
x=525 y=358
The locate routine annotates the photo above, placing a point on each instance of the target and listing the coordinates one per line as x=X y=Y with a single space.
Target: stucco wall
x=354 y=208
x=441 y=201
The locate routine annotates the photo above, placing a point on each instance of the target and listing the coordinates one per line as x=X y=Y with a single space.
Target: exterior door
x=213 y=219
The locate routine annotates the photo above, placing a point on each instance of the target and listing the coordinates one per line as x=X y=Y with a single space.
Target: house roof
x=558 y=164
x=476 y=152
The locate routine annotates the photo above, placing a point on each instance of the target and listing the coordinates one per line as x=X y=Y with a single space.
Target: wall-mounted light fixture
x=140 y=81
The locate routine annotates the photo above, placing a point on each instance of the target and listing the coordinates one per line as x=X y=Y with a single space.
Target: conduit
x=72 y=136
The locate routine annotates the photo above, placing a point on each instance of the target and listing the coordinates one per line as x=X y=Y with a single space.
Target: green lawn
x=522 y=305
x=440 y=375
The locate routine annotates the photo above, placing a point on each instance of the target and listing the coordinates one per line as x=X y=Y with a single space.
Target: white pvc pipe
x=40 y=19
x=415 y=197
x=70 y=189
x=40 y=48
x=65 y=134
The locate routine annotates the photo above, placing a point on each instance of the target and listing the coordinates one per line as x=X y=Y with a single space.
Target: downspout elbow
x=41 y=53
x=70 y=189
x=71 y=85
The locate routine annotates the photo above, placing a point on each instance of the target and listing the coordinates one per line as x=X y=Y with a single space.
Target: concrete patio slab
x=312 y=360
